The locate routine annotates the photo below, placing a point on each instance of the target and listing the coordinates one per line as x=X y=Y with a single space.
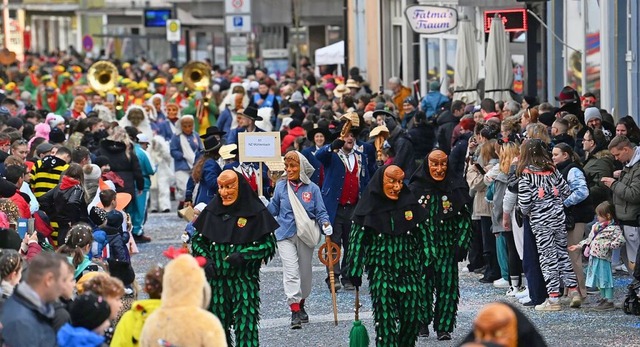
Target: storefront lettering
x=431 y=19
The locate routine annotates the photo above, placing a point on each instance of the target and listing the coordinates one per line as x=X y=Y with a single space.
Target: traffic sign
x=173 y=30
x=87 y=43
x=237 y=6
x=238 y=23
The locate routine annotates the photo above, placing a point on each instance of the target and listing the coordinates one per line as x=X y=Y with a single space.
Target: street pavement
x=570 y=327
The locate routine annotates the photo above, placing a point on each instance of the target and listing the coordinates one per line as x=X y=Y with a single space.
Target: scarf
x=187 y=152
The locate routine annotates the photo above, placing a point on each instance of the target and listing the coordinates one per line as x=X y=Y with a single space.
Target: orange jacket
x=398 y=100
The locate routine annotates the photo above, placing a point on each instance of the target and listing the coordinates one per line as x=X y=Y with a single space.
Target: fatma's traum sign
x=431 y=19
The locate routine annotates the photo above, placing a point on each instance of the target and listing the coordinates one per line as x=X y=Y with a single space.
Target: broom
x=358 y=337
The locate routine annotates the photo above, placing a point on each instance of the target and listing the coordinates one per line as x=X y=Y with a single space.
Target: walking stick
x=329 y=255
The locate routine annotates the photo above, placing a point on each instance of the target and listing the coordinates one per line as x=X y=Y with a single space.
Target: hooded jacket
x=626 y=192
x=446 y=123
x=129 y=327
x=26 y=321
x=597 y=164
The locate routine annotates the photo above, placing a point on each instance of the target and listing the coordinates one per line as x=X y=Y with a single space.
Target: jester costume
x=390 y=239
x=52 y=102
x=449 y=221
x=31 y=83
x=235 y=238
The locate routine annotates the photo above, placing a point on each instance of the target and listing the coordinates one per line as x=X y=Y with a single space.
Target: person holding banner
x=298 y=207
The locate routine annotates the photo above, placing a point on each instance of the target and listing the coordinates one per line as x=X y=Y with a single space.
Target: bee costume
x=235 y=239
x=391 y=241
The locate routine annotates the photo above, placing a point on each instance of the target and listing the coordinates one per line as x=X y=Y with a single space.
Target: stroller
x=632 y=301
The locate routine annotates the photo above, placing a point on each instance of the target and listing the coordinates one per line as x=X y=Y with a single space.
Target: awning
x=330 y=55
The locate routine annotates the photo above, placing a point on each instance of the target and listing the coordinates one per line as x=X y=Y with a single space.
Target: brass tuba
x=196 y=75
x=102 y=76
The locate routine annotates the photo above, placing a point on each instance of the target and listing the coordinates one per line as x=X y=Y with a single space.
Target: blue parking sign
x=237 y=21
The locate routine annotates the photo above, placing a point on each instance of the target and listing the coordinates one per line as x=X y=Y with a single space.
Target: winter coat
x=458 y=155
x=602 y=245
x=578 y=204
x=127 y=167
x=478 y=189
x=598 y=164
x=45 y=174
x=432 y=102
x=70 y=336
x=65 y=204
x=626 y=192
x=180 y=163
x=500 y=181
x=403 y=149
x=446 y=123
x=563 y=138
x=26 y=321
x=92 y=140
x=145 y=167
x=208 y=185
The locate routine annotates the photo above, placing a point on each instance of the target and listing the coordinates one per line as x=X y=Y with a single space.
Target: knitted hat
x=591 y=113
x=547 y=118
x=434 y=85
x=89 y=311
x=115 y=219
x=15 y=123
x=467 y=124
x=54 y=120
x=56 y=136
x=97 y=215
x=92 y=175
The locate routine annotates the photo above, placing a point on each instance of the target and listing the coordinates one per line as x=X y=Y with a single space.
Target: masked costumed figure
x=77 y=108
x=503 y=325
x=390 y=239
x=160 y=125
x=66 y=87
x=445 y=199
x=138 y=118
x=235 y=232
x=32 y=81
x=173 y=112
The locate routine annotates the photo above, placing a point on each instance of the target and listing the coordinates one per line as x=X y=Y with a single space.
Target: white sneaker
x=524 y=300
x=620 y=268
x=523 y=293
x=549 y=305
x=501 y=283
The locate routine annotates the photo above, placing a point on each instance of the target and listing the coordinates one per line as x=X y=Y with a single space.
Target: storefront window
x=433 y=59
x=451 y=60
x=574 y=17
x=592 y=47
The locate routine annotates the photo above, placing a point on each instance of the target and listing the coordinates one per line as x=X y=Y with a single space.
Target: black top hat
x=568 y=95
x=383 y=113
x=212 y=131
x=250 y=112
x=319 y=130
x=211 y=144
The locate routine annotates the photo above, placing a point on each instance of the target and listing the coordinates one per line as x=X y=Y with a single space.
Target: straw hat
x=228 y=151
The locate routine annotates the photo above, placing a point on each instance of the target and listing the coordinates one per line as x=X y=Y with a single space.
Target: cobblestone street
x=573 y=327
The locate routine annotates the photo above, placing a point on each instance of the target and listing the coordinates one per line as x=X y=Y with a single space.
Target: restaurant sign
x=431 y=19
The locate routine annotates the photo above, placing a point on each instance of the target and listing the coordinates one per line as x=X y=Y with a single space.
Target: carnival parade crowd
x=541 y=199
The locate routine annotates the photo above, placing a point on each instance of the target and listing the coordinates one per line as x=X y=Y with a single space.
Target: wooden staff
x=329 y=255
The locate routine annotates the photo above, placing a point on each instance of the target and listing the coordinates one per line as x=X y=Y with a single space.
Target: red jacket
x=21 y=203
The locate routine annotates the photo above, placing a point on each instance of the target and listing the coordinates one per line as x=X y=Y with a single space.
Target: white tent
x=331 y=55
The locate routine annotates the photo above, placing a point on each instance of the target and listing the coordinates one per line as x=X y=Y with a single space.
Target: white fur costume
x=144 y=127
x=160 y=182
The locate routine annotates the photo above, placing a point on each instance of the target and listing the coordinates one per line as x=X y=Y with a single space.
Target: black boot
x=424 y=331
x=444 y=336
x=304 y=317
x=295 y=320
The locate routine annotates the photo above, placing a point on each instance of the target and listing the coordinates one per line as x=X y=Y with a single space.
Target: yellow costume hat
x=143 y=85
x=59 y=68
x=133 y=85
x=11 y=86
x=126 y=82
x=126 y=65
x=176 y=79
x=46 y=78
x=147 y=95
x=76 y=69
x=160 y=81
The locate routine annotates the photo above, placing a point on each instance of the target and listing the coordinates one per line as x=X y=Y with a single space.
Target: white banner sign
x=431 y=19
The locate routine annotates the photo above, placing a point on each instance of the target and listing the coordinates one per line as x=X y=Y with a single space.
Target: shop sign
x=513 y=19
x=431 y=19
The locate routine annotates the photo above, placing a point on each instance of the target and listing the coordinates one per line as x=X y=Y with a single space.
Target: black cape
x=455 y=189
x=378 y=212
x=246 y=220
x=528 y=336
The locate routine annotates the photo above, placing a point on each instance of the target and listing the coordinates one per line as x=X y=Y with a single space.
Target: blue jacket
x=268 y=101
x=208 y=182
x=162 y=128
x=310 y=155
x=432 y=102
x=334 y=173
x=232 y=136
x=224 y=120
x=145 y=166
x=280 y=207
x=25 y=321
x=69 y=336
x=176 y=150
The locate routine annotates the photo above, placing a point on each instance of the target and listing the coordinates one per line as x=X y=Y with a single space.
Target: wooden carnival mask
x=392 y=182
x=186 y=125
x=136 y=116
x=292 y=166
x=79 y=103
x=437 y=165
x=496 y=323
x=228 y=186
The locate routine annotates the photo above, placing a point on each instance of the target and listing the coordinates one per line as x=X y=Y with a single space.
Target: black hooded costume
x=390 y=240
x=236 y=239
x=449 y=221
